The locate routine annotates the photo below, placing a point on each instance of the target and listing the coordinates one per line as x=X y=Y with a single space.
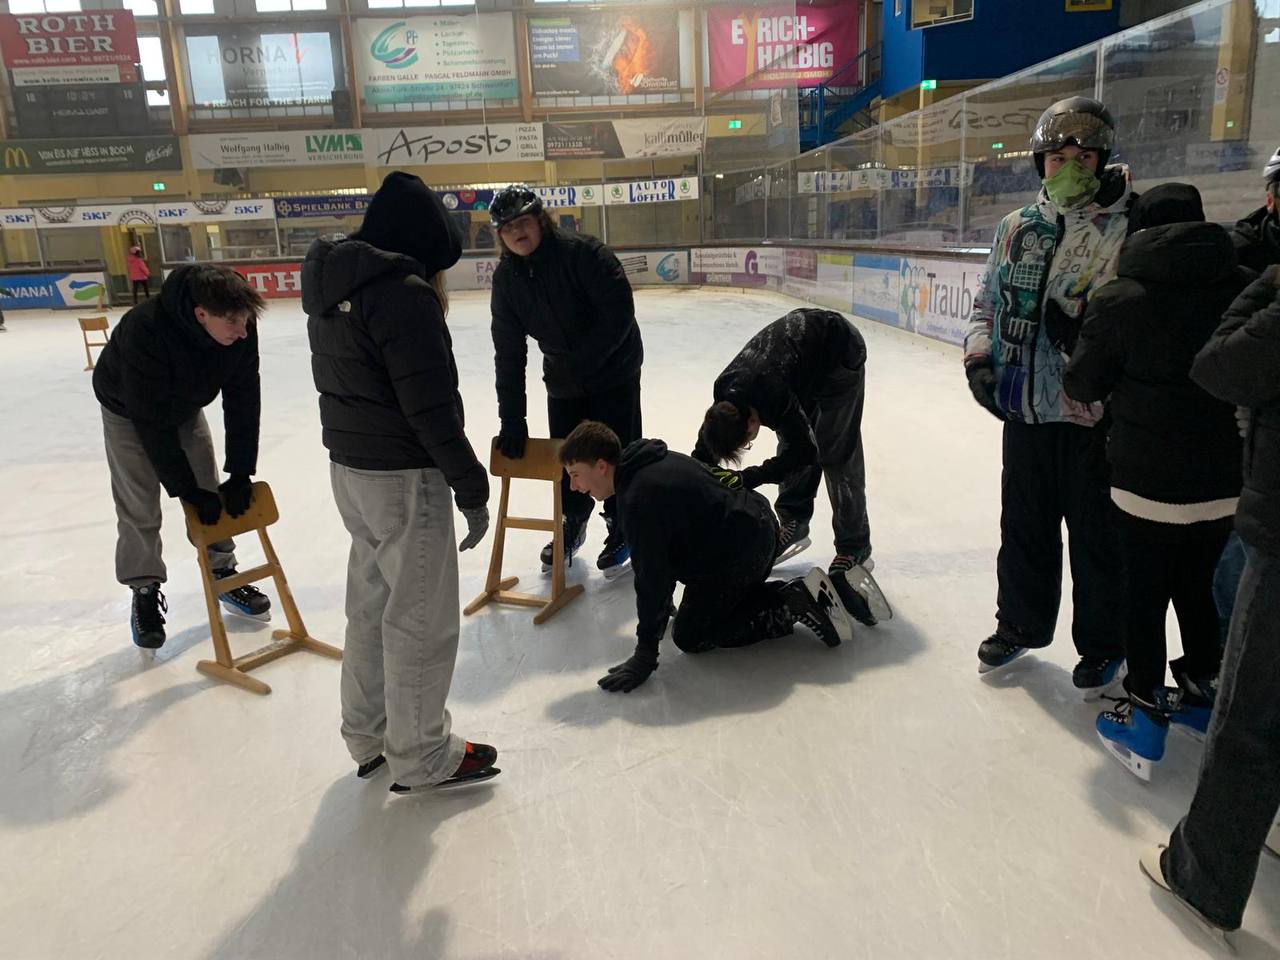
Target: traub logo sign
x=15 y=157
x=385 y=51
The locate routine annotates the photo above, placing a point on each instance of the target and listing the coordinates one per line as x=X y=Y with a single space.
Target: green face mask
x=1072 y=186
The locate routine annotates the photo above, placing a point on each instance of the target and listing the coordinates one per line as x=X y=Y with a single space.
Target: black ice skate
x=859 y=591
x=1098 y=677
x=477 y=766
x=247 y=601
x=1003 y=647
x=1152 y=865
x=614 y=558
x=812 y=600
x=371 y=768
x=147 y=618
x=793 y=537
x=575 y=534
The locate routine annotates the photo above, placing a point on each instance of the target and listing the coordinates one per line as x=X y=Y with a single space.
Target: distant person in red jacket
x=139 y=273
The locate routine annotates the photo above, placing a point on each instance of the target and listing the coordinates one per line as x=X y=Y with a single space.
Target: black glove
x=982 y=384
x=626 y=676
x=207 y=504
x=237 y=493
x=512 y=438
x=1062 y=330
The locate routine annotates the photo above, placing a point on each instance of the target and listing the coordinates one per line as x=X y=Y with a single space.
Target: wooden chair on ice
x=90 y=325
x=541 y=461
x=261 y=514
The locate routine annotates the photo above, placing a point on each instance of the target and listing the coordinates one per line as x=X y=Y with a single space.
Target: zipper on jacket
x=1035 y=343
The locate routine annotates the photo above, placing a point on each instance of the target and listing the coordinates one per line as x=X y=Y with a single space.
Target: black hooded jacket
x=573 y=297
x=781 y=372
x=160 y=368
x=1241 y=365
x=1257 y=240
x=381 y=354
x=1169 y=440
x=682 y=525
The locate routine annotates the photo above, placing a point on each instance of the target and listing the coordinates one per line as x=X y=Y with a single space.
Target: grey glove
x=477 y=524
x=1243 y=418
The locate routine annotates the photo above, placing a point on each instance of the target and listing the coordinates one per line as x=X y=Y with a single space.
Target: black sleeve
x=797 y=448
x=510 y=354
x=1241 y=362
x=1097 y=363
x=146 y=381
x=609 y=292
x=408 y=327
x=650 y=543
x=242 y=410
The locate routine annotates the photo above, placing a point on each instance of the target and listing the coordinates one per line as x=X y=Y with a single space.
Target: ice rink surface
x=878 y=800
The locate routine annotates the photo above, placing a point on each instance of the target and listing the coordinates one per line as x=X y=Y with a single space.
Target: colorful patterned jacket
x=1038 y=255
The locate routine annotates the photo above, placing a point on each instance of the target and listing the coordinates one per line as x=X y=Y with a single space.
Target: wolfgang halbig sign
x=211 y=151
x=48 y=43
x=755 y=48
x=425 y=59
x=461 y=144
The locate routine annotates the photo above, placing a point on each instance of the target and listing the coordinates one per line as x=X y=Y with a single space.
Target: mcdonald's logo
x=15 y=157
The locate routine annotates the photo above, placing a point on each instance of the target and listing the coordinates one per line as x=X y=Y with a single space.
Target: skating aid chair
x=90 y=325
x=541 y=461
x=261 y=514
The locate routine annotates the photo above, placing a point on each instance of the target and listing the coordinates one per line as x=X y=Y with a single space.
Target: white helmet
x=1271 y=172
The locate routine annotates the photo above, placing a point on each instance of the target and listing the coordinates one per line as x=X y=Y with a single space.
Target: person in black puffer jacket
x=1257 y=236
x=392 y=417
x=166 y=361
x=691 y=523
x=1212 y=856
x=1173 y=449
x=569 y=293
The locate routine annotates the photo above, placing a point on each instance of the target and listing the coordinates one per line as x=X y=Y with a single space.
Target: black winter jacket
x=682 y=525
x=1257 y=240
x=160 y=368
x=1169 y=440
x=573 y=297
x=1241 y=364
x=781 y=372
x=382 y=360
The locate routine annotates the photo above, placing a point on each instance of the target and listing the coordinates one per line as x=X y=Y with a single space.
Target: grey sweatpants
x=402 y=620
x=136 y=491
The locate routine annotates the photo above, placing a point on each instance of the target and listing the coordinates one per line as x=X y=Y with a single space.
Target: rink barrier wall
x=930 y=294
x=75 y=288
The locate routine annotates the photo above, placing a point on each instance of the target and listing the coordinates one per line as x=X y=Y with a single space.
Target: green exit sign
x=158 y=187
x=997 y=146
x=928 y=84
x=735 y=124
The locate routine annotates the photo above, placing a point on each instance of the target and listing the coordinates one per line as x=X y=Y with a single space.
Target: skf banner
x=757 y=48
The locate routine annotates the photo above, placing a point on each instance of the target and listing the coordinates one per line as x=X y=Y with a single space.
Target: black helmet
x=1078 y=121
x=513 y=201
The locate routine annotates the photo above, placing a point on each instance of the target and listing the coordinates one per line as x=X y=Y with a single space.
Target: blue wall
x=1003 y=37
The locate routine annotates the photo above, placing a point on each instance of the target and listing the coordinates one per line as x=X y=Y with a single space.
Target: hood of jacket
x=636 y=455
x=406 y=216
x=1114 y=188
x=334 y=270
x=1179 y=254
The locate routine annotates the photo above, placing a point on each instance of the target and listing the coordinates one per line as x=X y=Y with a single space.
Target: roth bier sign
x=51 y=43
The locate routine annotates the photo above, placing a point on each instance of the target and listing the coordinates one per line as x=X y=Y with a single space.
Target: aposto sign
x=489 y=142
x=45 y=45
x=98 y=155
x=211 y=151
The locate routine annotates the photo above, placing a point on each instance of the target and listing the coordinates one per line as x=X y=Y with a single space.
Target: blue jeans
x=1226 y=580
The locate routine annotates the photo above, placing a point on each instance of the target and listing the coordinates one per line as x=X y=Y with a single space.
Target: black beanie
x=405 y=216
x=1167 y=203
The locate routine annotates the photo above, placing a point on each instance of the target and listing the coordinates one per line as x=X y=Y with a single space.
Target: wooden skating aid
x=261 y=514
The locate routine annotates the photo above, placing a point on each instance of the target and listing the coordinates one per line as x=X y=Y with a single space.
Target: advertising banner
x=739 y=266
x=101 y=155
x=755 y=48
x=425 y=59
x=471 y=274
x=877 y=289
x=605 y=53
x=275 y=281
x=582 y=195
x=213 y=211
x=655 y=267
x=98 y=215
x=69 y=76
x=291 y=208
x=30 y=290
x=240 y=67
x=45 y=46
x=619 y=139
x=937 y=297
x=18 y=218
x=800 y=278
x=834 y=285
x=293 y=148
x=497 y=142
x=651 y=191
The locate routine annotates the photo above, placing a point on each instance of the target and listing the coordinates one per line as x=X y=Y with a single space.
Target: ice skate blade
x=862 y=596
x=1149 y=864
x=264 y=617
x=1191 y=732
x=986 y=668
x=827 y=597
x=616 y=571
x=1273 y=841
x=451 y=784
x=1140 y=767
x=799 y=546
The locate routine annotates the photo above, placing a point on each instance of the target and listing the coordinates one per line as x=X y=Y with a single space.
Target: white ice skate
x=1273 y=840
x=1149 y=863
x=793 y=538
x=827 y=598
x=858 y=589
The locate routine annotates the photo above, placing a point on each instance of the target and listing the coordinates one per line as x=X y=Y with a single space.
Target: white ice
x=874 y=801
